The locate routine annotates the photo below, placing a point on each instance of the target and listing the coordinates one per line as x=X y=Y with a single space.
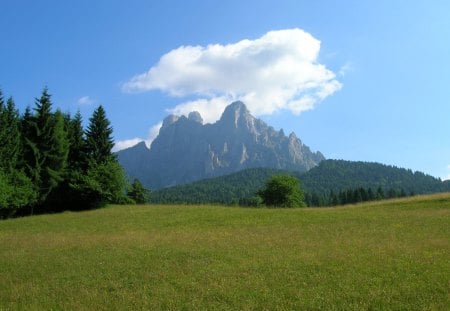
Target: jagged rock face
x=186 y=150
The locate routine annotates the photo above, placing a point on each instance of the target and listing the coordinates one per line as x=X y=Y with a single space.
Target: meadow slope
x=378 y=256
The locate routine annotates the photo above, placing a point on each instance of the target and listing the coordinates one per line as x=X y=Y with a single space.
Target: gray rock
x=186 y=150
x=195 y=116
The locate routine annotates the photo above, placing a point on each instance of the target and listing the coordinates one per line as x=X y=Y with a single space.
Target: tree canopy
x=49 y=163
x=282 y=191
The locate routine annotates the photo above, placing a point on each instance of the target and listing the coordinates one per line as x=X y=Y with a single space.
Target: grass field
x=392 y=255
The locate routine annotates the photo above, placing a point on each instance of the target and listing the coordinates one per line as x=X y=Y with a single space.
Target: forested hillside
x=229 y=189
x=322 y=184
x=338 y=175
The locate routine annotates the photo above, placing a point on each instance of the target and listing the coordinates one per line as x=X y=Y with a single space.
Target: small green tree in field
x=138 y=193
x=283 y=191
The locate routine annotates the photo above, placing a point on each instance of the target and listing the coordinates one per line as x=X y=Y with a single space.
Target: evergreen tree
x=357 y=197
x=9 y=135
x=29 y=151
x=102 y=184
x=47 y=146
x=76 y=157
x=315 y=199
x=2 y=108
x=138 y=193
x=371 y=196
x=16 y=190
x=99 y=141
x=104 y=181
x=334 y=200
x=380 y=193
x=402 y=193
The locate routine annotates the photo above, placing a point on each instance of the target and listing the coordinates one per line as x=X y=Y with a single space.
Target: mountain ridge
x=187 y=150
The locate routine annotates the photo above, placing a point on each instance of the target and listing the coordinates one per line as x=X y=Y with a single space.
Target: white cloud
x=210 y=109
x=447 y=176
x=279 y=71
x=124 y=144
x=85 y=101
x=127 y=143
x=346 y=68
x=153 y=133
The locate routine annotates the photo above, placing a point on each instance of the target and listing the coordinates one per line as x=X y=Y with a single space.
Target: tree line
x=332 y=182
x=50 y=163
x=352 y=196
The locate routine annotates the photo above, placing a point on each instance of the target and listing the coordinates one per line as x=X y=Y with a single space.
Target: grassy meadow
x=390 y=255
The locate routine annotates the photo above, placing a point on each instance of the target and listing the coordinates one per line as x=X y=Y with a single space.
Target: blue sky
x=373 y=80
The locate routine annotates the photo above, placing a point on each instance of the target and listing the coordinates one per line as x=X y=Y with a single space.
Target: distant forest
x=332 y=182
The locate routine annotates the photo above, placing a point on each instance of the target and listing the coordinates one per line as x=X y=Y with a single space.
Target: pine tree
x=104 y=181
x=69 y=193
x=76 y=157
x=2 y=107
x=99 y=141
x=29 y=150
x=380 y=193
x=9 y=135
x=3 y=128
x=46 y=146
x=16 y=190
x=137 y=192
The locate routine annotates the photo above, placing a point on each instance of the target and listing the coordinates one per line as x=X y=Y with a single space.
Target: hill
x=187 y=150
x=228 y=189
x=388 y=255
x=328 y=176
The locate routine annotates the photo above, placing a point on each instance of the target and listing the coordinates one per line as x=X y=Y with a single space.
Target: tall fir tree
x=2 y=102
x=47 y=146
x=2 y=122
x=77 y=157
x=99 y=141
x=29 y=151
x=16 y=190
x=10 y=135
x=104 y=181
x=69 y=193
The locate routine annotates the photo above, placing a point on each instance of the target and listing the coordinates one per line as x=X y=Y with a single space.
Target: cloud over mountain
x=127 y=143
x=278 y=71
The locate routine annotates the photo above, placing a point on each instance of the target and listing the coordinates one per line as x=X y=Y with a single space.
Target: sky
x=356 y=80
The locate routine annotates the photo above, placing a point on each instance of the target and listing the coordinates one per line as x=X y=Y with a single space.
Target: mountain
x=187 y=150
x=328 y=176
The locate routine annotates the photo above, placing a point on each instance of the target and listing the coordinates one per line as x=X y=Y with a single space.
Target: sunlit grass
x=383 y=255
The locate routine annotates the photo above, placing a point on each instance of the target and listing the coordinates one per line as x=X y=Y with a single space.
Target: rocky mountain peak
x=235 y=113
x=141 y=146
x=196 y=117
x=187 y=150
x=171 y=119
x=292 y=136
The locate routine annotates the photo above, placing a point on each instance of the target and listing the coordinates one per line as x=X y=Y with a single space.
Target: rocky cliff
x=187 y=150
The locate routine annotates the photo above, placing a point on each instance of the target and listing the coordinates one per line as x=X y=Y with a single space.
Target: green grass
x=392 y=255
